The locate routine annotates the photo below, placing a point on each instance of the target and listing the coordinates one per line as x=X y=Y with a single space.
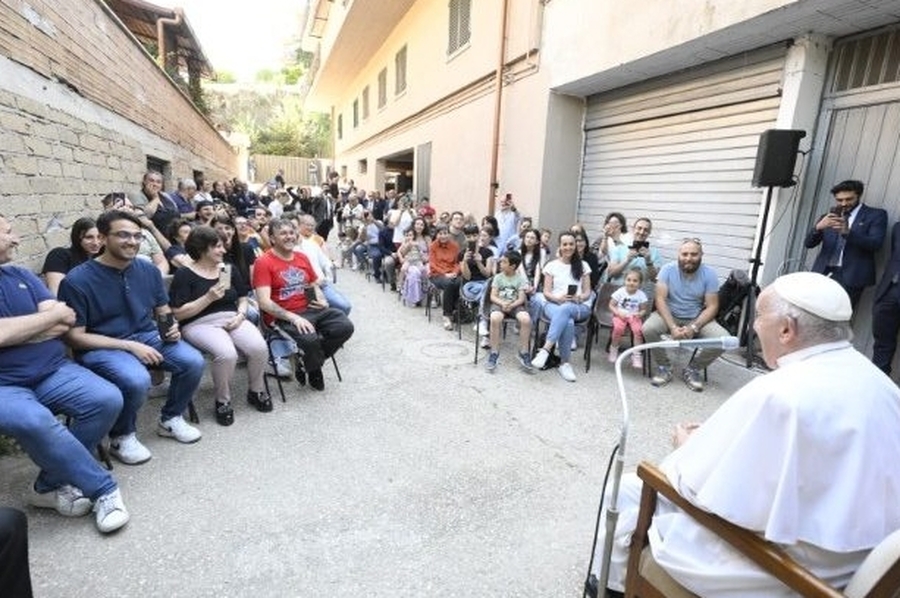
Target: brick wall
x=82 y=106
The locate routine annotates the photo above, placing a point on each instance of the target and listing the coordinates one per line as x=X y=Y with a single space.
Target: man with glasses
x=687 y=300
x=38 y=381
x=321 y=263
x=150 y=248
x=122 y=326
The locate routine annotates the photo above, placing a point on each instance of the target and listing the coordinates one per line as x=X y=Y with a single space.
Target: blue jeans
x=335 y=298
x=131 y=376
x=562 y=325
x=372 y=252
x=65 y=455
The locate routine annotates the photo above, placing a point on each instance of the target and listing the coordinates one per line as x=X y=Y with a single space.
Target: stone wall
x=82 y=109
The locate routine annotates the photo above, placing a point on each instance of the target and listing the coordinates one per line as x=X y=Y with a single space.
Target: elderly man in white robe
x=806 y=456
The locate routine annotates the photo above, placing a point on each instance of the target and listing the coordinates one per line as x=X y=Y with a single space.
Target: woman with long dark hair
x=85 y=245
x=567 y=300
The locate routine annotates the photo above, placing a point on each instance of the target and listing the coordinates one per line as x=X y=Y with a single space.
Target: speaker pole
x=755 y=262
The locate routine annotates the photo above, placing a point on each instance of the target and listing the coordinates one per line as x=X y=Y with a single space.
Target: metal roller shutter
x=681 y=150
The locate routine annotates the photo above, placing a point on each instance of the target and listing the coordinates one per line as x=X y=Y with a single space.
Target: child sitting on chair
x=508 y=301
x=628 y=305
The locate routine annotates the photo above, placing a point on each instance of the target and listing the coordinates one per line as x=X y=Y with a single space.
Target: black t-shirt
x=474 y=270
x=187 y=286
x=60 y=259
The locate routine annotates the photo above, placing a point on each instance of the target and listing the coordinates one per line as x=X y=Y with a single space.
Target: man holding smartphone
x=640 y=254
x=850 y=234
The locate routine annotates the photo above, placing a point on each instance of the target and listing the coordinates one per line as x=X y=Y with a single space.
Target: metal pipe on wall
x=498 y=104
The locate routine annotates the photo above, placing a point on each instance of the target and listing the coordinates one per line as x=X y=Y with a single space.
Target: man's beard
x=689 y=267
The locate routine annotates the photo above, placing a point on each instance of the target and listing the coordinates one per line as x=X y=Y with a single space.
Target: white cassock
x=806 y=456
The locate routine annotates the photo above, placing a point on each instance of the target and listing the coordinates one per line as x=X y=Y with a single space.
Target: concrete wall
x=82 y=106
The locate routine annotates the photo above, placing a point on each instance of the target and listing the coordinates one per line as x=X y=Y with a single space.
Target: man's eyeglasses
x=124 y=235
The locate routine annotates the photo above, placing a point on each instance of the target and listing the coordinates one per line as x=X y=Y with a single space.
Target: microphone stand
x=612 y=513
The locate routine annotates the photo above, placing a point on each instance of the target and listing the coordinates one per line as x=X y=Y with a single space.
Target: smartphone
x=572 y=290
x=310 y=293
x=165 y=323
x=225 y=275
x=472 y=246
x=837 y=211
x=638 y=244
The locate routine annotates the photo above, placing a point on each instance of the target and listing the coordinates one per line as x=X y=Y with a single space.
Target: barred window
x=459 y=30
x=866 y=61
x=400 y=71
x=340 y=126
x=355 y=113
x=382 y=88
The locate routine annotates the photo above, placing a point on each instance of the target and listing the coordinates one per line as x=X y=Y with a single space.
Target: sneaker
x=483 y=328
x=485 y=342
x=540 y=360
x=574 y=344
x=67 y=500
x=567 y=373
x=260 y=400
x=663 y=376
x=111 y=512
x=637 y=360
x=691 y=377
x=282 y=367
x=129 y=450
x=525 y=362
x=448 y=323
x=613 y=354
x=491 y=363
x=178 y=429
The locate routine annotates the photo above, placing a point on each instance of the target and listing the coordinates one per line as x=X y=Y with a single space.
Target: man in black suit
x=886 y=308
x=850 y=234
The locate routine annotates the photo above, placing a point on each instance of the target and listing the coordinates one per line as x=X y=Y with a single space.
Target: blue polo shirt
x=22 y=365
x=112 y=302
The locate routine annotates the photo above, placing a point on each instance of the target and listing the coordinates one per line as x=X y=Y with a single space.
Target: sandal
x=224 y=414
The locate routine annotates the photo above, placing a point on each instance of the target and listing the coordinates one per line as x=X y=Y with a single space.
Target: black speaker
x=776 y=156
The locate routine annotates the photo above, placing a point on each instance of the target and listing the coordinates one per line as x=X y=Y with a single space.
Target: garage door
x=681 y=150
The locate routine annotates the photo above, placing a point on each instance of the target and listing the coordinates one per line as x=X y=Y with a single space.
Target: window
x=365 y=102
x=382 y=88
x=355 y=113
x=362 y=166
x=400 y=71
x=340 y=126
x=458 y=31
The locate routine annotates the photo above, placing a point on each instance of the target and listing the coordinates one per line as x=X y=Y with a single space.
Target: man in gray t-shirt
x=687 y=300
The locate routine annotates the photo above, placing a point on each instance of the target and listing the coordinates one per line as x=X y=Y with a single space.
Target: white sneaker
x=68 y=501
x=282 y=367
x=178 y=429
x=574 y=344
x=129 y=450
x=540 y=360
x=485 y=342
x=483 y=328
x=613 y=354
x=111 y=512
x=567 y=373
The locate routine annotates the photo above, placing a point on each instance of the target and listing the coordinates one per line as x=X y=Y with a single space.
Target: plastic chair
x=877 y=577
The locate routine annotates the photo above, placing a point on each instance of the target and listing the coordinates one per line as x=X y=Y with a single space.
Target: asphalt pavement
x=419 y=474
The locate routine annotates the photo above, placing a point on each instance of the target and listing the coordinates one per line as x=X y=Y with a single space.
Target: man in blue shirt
x=37 y=381
x=687 y=300
x=118 y=301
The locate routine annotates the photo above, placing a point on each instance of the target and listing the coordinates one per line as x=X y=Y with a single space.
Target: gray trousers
x=655 y=327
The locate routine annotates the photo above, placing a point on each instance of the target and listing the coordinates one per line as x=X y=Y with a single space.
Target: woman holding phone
x=209 y=299
x=567 y=299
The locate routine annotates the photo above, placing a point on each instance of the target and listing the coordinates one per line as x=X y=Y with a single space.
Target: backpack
x=732 y=295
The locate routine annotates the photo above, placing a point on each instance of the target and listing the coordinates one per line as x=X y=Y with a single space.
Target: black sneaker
x=317 y=380
x=260 y=400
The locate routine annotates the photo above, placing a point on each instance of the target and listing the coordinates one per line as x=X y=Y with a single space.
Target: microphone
x=717 y=342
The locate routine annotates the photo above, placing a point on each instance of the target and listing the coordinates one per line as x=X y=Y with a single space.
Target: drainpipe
x=498 y=103
x=161 y=34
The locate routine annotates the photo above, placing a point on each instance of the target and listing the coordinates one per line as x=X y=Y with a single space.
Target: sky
x=241 y=36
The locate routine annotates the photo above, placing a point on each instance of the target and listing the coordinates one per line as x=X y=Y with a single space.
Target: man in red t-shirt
x=288 y=293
